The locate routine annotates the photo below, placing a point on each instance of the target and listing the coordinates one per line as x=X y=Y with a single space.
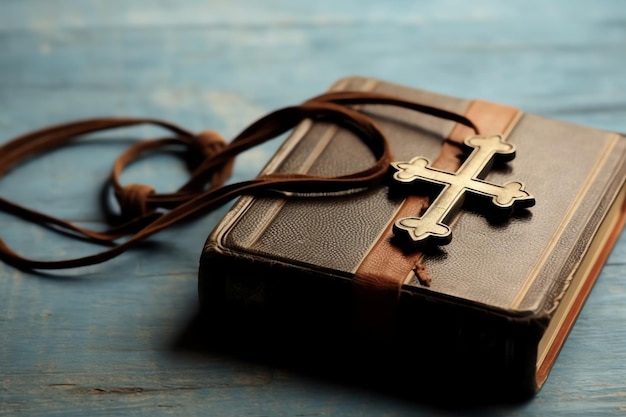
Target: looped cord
x=209 y=143
x=133 y=200
x=146 y=212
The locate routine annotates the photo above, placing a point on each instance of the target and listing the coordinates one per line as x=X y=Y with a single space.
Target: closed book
x=480 y=301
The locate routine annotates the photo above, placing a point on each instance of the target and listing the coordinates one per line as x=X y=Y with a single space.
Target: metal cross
x=432 y=226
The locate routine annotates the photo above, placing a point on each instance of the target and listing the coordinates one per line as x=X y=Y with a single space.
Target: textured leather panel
x=325 y=232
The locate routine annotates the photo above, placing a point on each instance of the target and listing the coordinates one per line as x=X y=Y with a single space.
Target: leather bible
x=464 y=271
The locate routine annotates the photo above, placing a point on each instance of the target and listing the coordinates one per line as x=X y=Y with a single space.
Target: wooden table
x=119 y=338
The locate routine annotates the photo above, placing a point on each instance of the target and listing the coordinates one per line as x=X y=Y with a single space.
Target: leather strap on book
x=144 y=211
x=379 y=278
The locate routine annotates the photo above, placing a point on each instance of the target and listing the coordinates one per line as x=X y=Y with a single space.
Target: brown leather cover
x=492 y=290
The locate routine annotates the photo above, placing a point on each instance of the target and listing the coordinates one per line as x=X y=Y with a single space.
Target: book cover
x=467 y=268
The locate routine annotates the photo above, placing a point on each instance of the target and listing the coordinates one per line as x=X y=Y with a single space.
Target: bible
x=464 y=271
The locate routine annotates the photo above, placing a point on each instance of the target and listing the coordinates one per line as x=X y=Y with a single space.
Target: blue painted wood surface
x=105 y=340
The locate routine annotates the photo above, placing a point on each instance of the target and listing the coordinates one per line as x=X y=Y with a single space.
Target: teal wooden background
x=106 y=340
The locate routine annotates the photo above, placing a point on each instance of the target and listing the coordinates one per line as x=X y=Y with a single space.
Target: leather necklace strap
x=146 y=212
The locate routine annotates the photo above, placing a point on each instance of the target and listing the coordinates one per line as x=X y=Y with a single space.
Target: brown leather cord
x=146 y=212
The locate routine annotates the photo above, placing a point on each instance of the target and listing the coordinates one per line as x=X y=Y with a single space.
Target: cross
x=432 y=226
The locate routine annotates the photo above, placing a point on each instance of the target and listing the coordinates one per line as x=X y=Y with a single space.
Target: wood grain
x=119 y=339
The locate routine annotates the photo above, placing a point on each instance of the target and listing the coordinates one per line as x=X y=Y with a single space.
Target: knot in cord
x=209 y=143
x=133 y=200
